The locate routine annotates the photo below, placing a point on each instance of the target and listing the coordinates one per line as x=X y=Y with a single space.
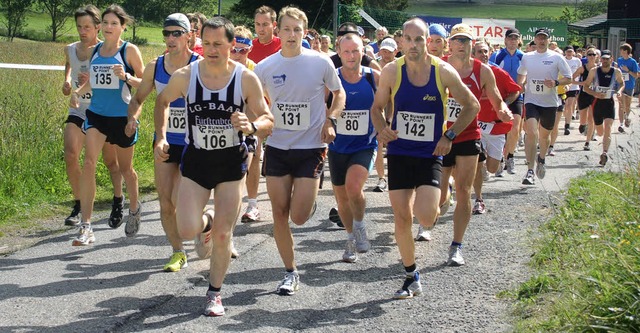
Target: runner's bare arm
x=620 y=80
x=257 y=106
x=462 y=94
x=176 y=88
x=66 y=86
x=381 y=100
x=134 y=59
x=334 y=111
x=586 y=87
x=491 y=89
x=135 y=106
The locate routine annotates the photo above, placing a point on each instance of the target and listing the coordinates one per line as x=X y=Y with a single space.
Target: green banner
x=557 y=29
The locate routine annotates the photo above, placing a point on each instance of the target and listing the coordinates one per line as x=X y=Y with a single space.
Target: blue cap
x=306 y=44
x=437 y=29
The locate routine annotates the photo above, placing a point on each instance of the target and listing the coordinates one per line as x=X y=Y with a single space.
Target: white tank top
x=77 y=67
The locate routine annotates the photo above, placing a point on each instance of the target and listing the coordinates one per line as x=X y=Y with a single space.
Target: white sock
x=358 y=224
x=351 y=236
x=253 y=202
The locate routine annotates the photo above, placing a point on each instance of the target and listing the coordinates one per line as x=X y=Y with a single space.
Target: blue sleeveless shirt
x=111 y=96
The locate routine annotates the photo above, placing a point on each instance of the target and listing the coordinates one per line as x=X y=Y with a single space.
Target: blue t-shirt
x=632 y=65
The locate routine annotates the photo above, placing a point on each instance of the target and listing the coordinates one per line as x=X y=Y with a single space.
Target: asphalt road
x=118 y=284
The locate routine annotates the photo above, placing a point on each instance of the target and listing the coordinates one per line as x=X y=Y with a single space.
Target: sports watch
x=449 y=134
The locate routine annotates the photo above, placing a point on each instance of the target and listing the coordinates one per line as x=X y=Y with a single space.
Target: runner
x=540 y=69
x=351 y=153
x=585 y=100
x=629 y=68
x=381 y=33
x=266 y=44
x=195 y=42
x=466 y=148
x=494 y=129
x=325 y=43
x=216 y=90
x=350 y=27
x=561 y=90
x=437 y=46
x=176 y=32
x=112 y=64
x=572 y=90
x=77 y=56
x=416 y=138
x=295 y=80
x=600 y=84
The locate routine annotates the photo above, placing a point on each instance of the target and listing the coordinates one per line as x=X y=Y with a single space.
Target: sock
x=410 y=270
x=540 y=160
x=118 y=200
x=550 y=146
x=566 y=126
x=76 y=205
x=85 y=225
x=208 y=227
x=181 y=250
x=358 y=224
x=509 y=156
x=456 y=244
x=293 y=270
x=253 y=202
x=351 y=236
x=214 y=289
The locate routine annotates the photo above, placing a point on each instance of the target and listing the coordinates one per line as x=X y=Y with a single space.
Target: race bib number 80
x=415 y=126
x=294 y=116
x=353 y=122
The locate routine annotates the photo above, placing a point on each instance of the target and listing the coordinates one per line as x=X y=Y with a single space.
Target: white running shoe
x=423 y=235
x=349 y=254
x=289 y=285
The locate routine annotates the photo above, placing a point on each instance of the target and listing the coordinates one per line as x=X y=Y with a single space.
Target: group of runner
x=438 y=111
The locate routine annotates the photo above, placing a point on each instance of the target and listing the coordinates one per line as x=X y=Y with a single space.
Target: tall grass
x=588 y=259
x=33 y=181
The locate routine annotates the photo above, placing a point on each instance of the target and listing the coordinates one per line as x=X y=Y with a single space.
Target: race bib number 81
x=294 y=116
x=415 y=126
x=537 y=87
x=353 y=122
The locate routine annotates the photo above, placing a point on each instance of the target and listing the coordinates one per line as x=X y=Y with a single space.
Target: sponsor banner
x=528 y=28
x=492 y=30
x=446 y=22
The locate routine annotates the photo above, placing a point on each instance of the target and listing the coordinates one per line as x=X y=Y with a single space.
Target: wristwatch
x=557 y=83
x=449 y=134
x=333 y=120
x=255 y=129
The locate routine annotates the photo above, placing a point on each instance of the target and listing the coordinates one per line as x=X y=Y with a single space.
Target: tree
x=59 y=12
x=399 y=5
x=14 y=16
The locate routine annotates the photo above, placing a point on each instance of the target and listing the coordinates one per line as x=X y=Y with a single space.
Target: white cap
x=389 y=44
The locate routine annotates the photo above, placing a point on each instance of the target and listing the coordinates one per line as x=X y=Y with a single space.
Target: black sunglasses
x=591 y=54
x=175 y=33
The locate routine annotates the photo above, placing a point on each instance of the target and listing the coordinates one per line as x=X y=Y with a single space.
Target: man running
x=266 y=44
x=540 y=70
x=295 y=80
x=629 y=68
x=437 y=41
x=216 y=90
x=176 y=32
x=416 y=138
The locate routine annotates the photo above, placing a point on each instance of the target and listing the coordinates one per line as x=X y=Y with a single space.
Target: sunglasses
x=591 y=54
x=175 y=33
x=460 y=40
x=241 y=50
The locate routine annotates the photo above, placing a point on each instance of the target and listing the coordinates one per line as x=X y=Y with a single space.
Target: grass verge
x=587 y=261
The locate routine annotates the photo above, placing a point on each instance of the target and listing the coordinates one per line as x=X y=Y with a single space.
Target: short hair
x=220 y=22
x=314 y=33
x=120 y=13
x=397 y=33
x=244 y=32
x=417 y=20
x=532 y=43
x=294 y=13
x=89 y=10
x=266 y=10
x=480 y=42
x=201 y=17
x=381 y=28
x=353 y=37
x=325 y=37
x=626 y=47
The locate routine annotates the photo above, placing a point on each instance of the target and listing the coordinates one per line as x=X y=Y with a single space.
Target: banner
x=528 y=28
x=492 y=30
x=446 y=22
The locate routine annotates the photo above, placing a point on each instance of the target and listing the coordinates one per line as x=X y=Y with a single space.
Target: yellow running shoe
x=177 y=261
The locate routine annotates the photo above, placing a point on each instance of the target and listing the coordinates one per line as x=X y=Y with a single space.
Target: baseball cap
x=306 y=44
x=389 y=44
x=461 y=30
x=512 y=31
x=437 y=29
x=568 y=48
x=543 y=31
x=605 y=54
x=177 y=20
x=349 y=28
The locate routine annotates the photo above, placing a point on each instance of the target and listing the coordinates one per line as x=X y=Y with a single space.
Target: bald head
x=417 y=23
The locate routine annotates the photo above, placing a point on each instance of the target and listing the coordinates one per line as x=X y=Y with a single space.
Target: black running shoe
x=74 y=218
x=115 y=219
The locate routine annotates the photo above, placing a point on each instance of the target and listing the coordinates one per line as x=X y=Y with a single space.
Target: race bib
x=294 y=116
x=625 y=77
x=607 y=92
x=537 y=87
x=213 y=137
x=353 y=122
x=84 y=98
x=415 y=126
x=485 y=127
x=102 y=77
x=177 y=121
x=453 y=109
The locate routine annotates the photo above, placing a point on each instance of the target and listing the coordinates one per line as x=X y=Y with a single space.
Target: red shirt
x=472 y=131
x=506 y=86
x=261 y=51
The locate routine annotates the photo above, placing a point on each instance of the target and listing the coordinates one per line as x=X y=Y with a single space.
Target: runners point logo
x=279 y=80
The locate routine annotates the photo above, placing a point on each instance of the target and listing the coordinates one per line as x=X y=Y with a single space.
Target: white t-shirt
x=539 y=67
x=296 y=88
x=574 y=64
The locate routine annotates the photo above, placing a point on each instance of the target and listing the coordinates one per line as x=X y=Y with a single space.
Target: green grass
x=33 y=181
x=587 y=260
x=477 y=10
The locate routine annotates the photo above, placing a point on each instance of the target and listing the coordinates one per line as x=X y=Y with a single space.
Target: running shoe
x=177 y=261
x=289 y=285
x=423 y=235
x=334 y=217
x=603 y=159
x=85 y=236
x=627 y=122
x=479 y=207
x=566 y=129
x=411 y=287
x=455 y=256
x=74 y=218
x=621 y=129
x=541 y=168
x=521 y=141
x=251 y=215
x=586 y=146
x=115 y=218
x=133 y=222
x=444 y=208
x=214 y=307
x=203 y=242
x=582 y=129
x=362 y=242
x=500 y=172
x=349 y=254
x=381 y=186
x=234 y=252
x=529 y=178
x=485 y=174
x=551 y=151
x=511 y=166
